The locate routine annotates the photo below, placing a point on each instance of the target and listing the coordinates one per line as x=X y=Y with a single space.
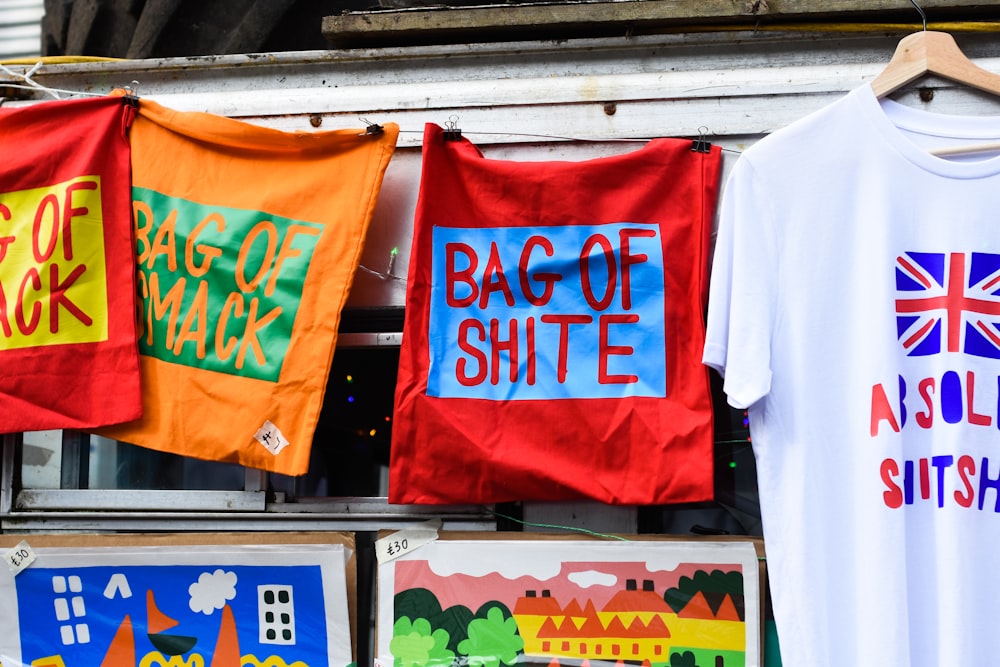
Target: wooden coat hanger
x=930 y=52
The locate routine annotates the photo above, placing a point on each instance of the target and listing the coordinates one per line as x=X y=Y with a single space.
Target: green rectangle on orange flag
x=241 y=274
x=247 y=241
x=68 y=357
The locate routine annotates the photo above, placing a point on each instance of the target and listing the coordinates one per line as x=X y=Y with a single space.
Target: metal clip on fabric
x=371 y=129
x=131 y=96
x=451 y=131
x=702 y=144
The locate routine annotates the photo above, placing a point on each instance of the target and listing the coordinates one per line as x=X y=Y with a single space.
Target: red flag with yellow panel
x=68 y=355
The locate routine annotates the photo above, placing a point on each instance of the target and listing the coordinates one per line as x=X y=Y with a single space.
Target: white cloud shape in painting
x=544 y=560
x=665 y=565
x=590 y=578
x=212 y=591
x=477 y=560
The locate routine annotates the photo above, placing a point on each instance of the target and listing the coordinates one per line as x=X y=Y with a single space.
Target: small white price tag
x=404 y=541
x=271 y=437
x=20 y=557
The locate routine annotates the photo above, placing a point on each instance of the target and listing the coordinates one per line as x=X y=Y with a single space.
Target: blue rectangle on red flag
x=542 y=313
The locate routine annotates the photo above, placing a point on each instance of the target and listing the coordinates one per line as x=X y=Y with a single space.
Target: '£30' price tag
x=404 y=541
x=20 y=557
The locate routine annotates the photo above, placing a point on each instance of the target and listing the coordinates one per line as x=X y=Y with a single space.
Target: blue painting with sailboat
x=176 y=615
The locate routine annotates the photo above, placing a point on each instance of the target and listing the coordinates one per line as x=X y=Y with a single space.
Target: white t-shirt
x=855 y=310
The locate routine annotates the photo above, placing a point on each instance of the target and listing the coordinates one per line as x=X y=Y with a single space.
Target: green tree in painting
x=415 y=603
x=455 y=619
x=483 y=612
x=685 y=659
x=422 y=603
x=714 y=585
x=415 y=644
x=492 y=640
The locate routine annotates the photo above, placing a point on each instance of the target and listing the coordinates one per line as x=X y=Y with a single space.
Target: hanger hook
x=923 y=17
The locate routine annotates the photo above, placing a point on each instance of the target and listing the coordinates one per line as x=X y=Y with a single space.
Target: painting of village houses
x=183 y=606
x=551 y=603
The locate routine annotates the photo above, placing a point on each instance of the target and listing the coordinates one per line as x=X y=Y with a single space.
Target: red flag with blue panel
x=554 y=329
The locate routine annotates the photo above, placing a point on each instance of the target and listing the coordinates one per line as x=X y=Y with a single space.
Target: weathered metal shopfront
x=532 y=99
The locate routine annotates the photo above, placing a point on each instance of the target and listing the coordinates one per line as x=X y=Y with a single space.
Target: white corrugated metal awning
x=20 y=28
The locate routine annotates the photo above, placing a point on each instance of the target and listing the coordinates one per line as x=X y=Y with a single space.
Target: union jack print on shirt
x=948 y=301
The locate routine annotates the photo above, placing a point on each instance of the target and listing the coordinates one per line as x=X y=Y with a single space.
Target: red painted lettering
x=893 y=496
x=464 y=378
x=70 y=212
x=628 y=260
x=494 y=280
x=564 y=322
x=605 y=349
x=49 y=202
x=608 y=253
x=548 y=279
x=28 y=328
x=530 y=356
x=500 y=346
x=5 y=240
x=58 y=298
x=966 y=468
x=881 y=411
x=453 y=276
x=4 y=316
x=926 y=389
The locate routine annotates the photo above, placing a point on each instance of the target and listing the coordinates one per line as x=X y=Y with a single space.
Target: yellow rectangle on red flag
x=68 y=354
x=54 y=274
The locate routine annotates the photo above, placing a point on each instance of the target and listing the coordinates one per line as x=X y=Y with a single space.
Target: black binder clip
x=131 y=96
x=702 y=144
x=372 y=129
x=451 y=131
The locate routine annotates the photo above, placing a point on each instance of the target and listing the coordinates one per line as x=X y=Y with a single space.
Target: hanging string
x=560 y=137
x=379 y=274
x=576 y=529
x=537 y=136
x=31 y=84
x=388 y=275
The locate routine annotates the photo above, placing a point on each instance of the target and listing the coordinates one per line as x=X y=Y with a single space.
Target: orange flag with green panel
x=247 y=241
x=68 y=356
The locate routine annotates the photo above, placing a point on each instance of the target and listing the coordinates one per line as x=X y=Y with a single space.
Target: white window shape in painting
x=70 y=610
x=277 y=615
